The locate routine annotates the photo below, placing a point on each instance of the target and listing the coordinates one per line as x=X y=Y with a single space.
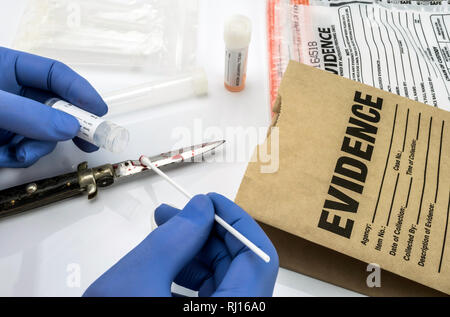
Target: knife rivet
x=31 y=188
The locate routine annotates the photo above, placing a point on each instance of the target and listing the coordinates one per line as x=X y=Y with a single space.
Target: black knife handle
x=37 y=194
x=46 y=191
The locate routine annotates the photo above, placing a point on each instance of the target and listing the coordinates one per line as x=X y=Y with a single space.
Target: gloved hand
x=28 y=128
x=190 y=249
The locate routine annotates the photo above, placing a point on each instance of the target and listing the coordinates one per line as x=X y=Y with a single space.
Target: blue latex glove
x=190 y=249
x=28 y=128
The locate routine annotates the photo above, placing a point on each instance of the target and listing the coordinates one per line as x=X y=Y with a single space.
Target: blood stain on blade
x=178 y=157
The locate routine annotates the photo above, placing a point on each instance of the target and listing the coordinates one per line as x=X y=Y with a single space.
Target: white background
x=38 y=248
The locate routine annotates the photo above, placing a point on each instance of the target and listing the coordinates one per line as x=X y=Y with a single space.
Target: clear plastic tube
x=157 y=92
x=93 y=129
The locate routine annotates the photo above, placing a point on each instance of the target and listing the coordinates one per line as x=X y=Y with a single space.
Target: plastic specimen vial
x=153 y=93
x=237 y=35
x=93 y=129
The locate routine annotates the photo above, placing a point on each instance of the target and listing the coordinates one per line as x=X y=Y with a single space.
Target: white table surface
x=40 y=250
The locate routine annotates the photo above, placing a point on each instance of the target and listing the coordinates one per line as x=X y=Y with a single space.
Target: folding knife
x=87 y=180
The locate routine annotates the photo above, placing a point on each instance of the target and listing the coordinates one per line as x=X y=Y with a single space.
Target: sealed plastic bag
x=160 y=34
x=401 y=48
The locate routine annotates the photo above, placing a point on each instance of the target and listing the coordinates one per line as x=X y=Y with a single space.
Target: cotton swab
x=266 y=258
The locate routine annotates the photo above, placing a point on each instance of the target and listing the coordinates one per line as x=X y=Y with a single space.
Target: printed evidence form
x=406 y=52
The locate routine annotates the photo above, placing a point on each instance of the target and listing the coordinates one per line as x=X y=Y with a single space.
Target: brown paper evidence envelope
x=362 y=172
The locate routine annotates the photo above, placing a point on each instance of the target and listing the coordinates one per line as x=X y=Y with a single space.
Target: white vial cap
x=237 y=32
x=116 y=139
x=200 y=82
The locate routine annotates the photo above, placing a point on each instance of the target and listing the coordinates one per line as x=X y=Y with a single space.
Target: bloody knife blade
x=87 y=180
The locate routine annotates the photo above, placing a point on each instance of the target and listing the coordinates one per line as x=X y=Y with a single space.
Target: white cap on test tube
x=237 y=32
x=200 y=82
x=93 y=129
x=111 y=136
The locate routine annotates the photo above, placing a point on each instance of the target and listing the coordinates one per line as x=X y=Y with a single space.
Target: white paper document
x=403 y=51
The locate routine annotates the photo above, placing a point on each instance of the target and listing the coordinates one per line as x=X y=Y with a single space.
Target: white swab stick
x=266 y=258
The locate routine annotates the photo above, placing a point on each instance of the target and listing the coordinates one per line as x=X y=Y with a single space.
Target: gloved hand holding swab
x=146 y=161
